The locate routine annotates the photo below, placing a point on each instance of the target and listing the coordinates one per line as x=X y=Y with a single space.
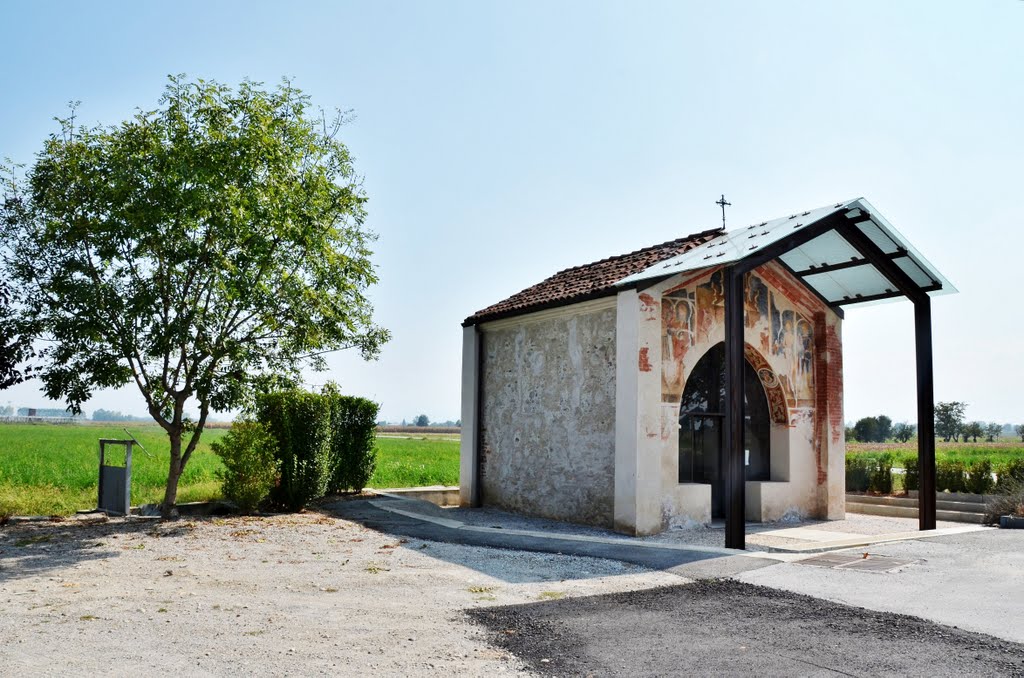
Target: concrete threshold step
x=911 y=512
x=941 y=504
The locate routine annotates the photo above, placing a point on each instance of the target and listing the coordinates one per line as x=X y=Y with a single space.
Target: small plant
x=250 y=466
x=951 y=476
x=481 y=589
x=551 y=595
x=979 y=477
x=1009 y=500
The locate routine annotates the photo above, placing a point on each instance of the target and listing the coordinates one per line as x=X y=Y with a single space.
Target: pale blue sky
x=503 y=141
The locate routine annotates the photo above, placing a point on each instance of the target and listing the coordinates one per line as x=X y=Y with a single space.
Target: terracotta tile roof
x=588 y=281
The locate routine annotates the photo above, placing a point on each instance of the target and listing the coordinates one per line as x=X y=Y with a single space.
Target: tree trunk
x=169 y=509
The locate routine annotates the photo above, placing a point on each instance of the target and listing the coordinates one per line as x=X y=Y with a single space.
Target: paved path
x=420 y=520
x=974 y=581
x=725 y=627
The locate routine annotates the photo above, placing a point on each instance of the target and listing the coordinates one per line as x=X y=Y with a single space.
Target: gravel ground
x=724 y=627
x=305 y=594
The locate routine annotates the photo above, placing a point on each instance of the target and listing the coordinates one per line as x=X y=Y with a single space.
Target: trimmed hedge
x=353 y=441
x=869 y=473
x=325 y=442
x=301 y=423
x=911 y=473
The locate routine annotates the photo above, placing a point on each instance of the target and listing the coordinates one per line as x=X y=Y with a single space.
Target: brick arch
x=771 y=384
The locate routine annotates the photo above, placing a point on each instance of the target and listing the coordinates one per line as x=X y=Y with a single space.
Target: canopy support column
x=925 y=377
x=734 y=461
x=925 y=414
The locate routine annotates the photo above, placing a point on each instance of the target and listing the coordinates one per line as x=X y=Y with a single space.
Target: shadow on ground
x=731 y=628
x=687 y=563
x=29 y=548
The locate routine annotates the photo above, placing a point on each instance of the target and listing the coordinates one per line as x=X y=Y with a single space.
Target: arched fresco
x=692 y=318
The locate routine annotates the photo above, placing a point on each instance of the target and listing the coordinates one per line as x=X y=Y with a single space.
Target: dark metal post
x=925 y=413
x=735 y=485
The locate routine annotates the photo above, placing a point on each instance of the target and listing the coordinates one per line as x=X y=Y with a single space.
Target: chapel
x=686 y=382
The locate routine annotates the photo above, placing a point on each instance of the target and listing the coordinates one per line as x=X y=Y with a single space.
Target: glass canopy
x=828 y=264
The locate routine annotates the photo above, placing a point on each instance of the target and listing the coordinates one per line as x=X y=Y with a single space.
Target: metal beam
x=876 y=297
x=821 y=297
x=925 y=414
x=732 y=447
x=792 y=241
x=880 y=260
x=852 y=263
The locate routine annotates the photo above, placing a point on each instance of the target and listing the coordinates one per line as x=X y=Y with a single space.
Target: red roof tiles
x=588 y=281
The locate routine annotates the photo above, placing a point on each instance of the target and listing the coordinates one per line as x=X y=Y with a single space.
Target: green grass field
x=50 y=469
x=998 y=453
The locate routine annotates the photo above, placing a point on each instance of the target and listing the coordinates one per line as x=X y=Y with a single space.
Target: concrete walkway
x=422 y=520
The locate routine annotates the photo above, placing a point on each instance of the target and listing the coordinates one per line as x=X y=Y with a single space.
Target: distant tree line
x=950 y=425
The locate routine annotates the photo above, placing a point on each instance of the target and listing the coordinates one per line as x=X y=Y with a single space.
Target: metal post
x=128 y=478
x=735 y=485
x=925 y=413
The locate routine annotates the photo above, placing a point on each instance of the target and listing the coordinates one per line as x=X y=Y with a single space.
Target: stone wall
x=548 y=413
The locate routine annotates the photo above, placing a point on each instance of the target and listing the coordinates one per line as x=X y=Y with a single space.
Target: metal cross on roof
x=721 y=201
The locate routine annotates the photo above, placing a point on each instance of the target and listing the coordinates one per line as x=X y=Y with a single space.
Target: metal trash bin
x=115 y=481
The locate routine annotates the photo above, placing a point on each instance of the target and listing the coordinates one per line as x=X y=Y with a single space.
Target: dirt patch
x=724 y=627
x=302 y=594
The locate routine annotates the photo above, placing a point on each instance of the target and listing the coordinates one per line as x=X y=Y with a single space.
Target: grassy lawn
x=413 y=462
x=50 y=469
x=998 y=453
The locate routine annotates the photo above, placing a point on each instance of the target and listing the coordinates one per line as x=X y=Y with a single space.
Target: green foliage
x=880 y=479
x=300 y=422
x=353 y=438
x=973 y=430
x=200 y=250
x=858 y=472
x=902 y=432
x=249 y=454
x=979 y=477
x=421 y=420
x=1010 y=473
x=993 y=431
x=873 y=429
x=869 y=473
x=949 y=419
x=950 y=476
x=911 y=473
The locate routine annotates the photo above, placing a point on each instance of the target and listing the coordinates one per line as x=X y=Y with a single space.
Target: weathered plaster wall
x=548 y=413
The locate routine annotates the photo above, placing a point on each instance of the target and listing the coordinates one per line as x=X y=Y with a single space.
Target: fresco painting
x=678 y=314
x=692 y=320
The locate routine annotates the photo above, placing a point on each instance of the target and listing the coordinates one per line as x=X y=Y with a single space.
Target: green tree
x=949 y=419
x=974 y=430
x=902 y=432
x=866 y=430
x=1020 y=431
x=993 y=431
x=421 y=420
x=15 y=341
x=884 y=428
x=202 y=251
